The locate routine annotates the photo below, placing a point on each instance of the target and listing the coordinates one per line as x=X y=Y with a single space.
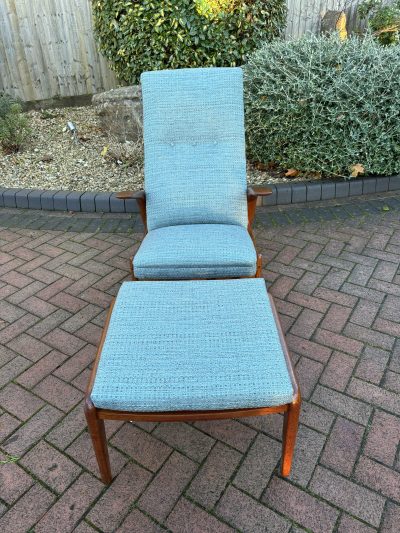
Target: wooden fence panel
x=47 y=50
x=47 y=47
x=305 y=15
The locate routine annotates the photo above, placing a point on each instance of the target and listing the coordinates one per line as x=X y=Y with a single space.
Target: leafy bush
x=14 y=127
x=383 y=19
x=213 y=8
x=324 y=105
x=157 y=34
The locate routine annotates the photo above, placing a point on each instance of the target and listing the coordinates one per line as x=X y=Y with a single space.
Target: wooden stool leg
x=290 y=426
x=99 y=440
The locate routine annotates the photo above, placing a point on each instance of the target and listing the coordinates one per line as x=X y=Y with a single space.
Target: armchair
x=196 y=209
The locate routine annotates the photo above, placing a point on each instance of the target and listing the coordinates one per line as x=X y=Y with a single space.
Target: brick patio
x=334 y=274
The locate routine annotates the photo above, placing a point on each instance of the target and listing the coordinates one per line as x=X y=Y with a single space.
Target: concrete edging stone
x=106 y=202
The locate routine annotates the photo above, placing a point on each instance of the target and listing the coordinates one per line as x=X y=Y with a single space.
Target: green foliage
x=213 y=8
x=324 y=105
x=383 y=19
x=14 y=128
x=157 y=34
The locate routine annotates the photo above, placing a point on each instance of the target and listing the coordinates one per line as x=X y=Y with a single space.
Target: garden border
x=107 y=202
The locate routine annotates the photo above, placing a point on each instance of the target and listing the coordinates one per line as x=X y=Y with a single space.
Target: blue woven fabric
x=195 y=165
x=196 y=251
x=192 y=345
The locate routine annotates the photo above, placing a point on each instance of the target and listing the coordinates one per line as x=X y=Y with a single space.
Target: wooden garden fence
x=47 y=50
x=306 y=15
x=47 y=47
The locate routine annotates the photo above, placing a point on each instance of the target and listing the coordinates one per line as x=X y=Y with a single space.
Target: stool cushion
x=196 y=251
x=192 y=345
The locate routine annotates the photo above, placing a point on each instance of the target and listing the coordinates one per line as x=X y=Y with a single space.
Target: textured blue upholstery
x=196 y=251
x=192 y=345
x=195 y=165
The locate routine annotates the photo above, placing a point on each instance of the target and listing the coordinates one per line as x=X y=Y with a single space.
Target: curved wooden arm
x=140 y=197
x=127 y=195
x=253 y=192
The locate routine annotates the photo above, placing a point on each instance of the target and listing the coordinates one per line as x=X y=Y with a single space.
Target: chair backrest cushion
x=194 y=142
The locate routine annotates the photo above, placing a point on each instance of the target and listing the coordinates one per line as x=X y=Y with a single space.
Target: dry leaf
x=356 y=170
x=104 y=151
x=260 y=166
x=291 y=173
x=315 y=175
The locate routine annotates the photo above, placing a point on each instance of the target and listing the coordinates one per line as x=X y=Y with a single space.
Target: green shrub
x=322 y=105
x=382 y=19
x=157 y=34
x=14 y=128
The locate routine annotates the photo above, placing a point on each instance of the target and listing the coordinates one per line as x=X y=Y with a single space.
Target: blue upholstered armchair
x=196 y=208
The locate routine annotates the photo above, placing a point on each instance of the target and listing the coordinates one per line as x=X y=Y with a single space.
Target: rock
x=120 y=112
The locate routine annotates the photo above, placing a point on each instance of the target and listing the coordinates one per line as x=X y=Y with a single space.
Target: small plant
x=324 y=105
x=160 y=34
x=383 y=19
x=14 y=128
x=125 y=155
x=9 y=459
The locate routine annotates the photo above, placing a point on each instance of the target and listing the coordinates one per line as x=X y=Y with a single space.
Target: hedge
x=157 y=34
x=326 y=106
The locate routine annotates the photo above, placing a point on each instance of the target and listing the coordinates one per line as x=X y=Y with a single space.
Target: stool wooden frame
x=95 y=416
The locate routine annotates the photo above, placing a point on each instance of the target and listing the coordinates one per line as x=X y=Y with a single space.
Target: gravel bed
x=89 y=161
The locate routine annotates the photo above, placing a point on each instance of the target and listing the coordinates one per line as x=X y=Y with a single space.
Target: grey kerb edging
x=106 y=202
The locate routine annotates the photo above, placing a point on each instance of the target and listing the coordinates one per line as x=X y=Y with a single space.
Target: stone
x=120 y=112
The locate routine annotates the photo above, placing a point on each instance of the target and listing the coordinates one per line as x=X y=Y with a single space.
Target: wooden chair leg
x=132 y=269
x=290 y=426
x=99 y=440
x=259 y=266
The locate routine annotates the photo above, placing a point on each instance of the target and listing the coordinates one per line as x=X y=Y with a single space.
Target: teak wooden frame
x=252 y=196
x=95 y=416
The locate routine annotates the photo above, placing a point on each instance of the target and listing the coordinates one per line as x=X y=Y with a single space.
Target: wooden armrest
x=127 y=195
x=253 y=192
x=140 y=197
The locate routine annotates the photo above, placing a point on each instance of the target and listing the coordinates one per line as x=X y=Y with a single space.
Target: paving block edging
x=107 y=202
x=314 y=191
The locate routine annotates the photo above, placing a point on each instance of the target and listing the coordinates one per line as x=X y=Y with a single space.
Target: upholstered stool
x=191 y=350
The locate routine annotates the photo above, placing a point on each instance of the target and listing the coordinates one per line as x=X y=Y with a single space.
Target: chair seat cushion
x=192 y=345
x=196 y=251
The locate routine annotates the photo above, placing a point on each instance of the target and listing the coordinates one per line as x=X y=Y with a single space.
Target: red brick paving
x=337 y=289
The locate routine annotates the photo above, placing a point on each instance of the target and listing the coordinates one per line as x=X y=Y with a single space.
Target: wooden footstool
x=192 y=350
